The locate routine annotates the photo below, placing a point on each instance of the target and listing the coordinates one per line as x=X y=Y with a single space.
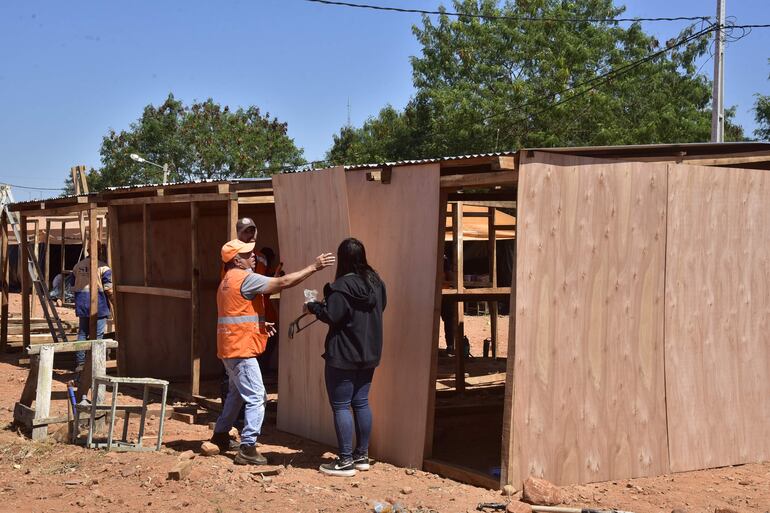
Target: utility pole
x=718 y=92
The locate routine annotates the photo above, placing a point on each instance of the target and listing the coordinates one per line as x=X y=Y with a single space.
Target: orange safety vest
x=241 y=330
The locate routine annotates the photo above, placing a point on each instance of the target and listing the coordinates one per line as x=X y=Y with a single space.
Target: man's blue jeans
x=245 y=388
x=83 y=329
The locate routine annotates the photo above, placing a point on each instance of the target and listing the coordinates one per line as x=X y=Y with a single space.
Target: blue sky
x=69 y=71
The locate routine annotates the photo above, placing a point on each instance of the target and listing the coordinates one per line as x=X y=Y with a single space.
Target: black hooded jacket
x=353 y=310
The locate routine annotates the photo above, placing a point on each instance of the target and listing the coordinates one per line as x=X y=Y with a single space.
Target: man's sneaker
x=339 y=468
x=361 y=462
x=224 y=442
x=249 y=455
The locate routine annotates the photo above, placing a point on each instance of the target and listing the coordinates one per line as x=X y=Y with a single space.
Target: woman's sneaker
x=339 y=468
x=361 y=462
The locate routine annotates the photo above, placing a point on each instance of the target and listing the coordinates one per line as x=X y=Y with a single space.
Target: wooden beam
x=35 y=257
x=4 y=298
x=496 y=204
x=146 y=243
x=232 y=218
x=72 y=347
x=429 y=422
x=506 y=162
x=492 y=249
x=62 y=260
x=256 y=200
x=47 y=266
x=154 y=291
x=480 y=179
x=195 y=345
x=460 y=473
x=174 y=198
x=728 y=161
x=457 y=235
x=113 y=246
x=93 y=288
x=25 y=279
x=506 y=455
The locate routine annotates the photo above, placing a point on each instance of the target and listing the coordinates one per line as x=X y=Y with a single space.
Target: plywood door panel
x=130 y=249
x=588 y=392
x=718 y=316
x=169 y=245
x=312 y=217
x=398 y=222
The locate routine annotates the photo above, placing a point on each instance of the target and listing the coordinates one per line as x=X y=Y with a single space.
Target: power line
x=503 y=17
x=34 y=188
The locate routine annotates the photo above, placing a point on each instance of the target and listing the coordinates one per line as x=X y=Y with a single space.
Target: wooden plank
x=461 y=474
x=589 y=393
x=36 y=258
x=4 y=268
x=47 y=263
x=25 y=279
x=256 y=200
x=232 y=216
x=312 y=216
x=62 y=259
x=154 y=291
x=172 y=198
x=71 y=347
x=457 y=237
x=431 y=407
x=717 y=311
x=95 y=283
x=195 y=343
x=113 y=247
x=480 y=179
x=43 y=391
x=146 y=242
x=492 y=252
x=388 y=218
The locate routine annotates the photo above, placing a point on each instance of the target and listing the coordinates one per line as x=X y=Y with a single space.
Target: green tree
x=485 y=84
x=200 y=141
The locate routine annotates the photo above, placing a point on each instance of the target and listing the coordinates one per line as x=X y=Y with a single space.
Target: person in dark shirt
x=353 y=309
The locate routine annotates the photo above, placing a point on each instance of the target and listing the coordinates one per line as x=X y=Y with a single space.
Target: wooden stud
x=3 y=281
x=480 y=179
x=95 y=283
x=47 y=267
x=62 y=259
x=195 y=345
x=43 y=391
x=25 y=280
x=153 y=291
x=35 y=257
x=492 y=250
x=145 y=243
x=113 y=248
x=232 y=216
x=457 y=233
x=429 y=424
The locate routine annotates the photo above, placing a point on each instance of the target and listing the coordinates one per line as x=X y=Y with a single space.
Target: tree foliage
x=200 y=141
x=497 y=84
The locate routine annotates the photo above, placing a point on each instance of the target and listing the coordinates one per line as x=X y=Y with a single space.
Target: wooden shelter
x=638 y=336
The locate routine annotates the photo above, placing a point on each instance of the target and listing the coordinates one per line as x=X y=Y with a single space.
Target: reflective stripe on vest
x=241 y=319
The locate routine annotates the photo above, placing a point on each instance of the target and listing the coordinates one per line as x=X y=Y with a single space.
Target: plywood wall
x=588 y=373
x=312 y=214
x=398 y=222
x=718 y=316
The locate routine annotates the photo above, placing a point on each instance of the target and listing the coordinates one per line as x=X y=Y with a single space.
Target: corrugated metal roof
x=431 y=160
x=190 y=182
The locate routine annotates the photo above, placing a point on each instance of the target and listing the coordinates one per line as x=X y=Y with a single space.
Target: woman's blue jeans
x=349 y=389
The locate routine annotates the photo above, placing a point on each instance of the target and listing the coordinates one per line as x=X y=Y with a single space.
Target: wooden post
x=43 y=391
x=3 y=282
x=195 y=345
x=457 y=232
x=35 y=257
x=25 y=279
x=113 y=252
x=232 y=216
x=492 y=249
x=442 y=211
x=81 y=221
x=93 y=242
x=63 y=259
x=47 y=271
x=146 y=242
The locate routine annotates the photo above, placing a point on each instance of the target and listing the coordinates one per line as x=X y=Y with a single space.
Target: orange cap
x=235 y=246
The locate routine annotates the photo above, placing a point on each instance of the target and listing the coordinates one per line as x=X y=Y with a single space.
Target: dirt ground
x=54 y=477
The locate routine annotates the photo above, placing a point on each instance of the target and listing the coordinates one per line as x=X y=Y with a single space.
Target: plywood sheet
x=398 y=223
x=718 y=316
x=312 y=216
x=588 y=373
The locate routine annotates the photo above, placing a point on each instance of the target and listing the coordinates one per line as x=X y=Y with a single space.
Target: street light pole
x=717 y=94
x=142 y=160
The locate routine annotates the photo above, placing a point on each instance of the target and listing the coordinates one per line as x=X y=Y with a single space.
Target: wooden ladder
x=55 y=325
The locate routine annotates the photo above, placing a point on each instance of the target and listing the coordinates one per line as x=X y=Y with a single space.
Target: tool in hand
x=295 y=327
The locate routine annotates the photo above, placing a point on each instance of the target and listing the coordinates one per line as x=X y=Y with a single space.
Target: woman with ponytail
x=352 y=308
